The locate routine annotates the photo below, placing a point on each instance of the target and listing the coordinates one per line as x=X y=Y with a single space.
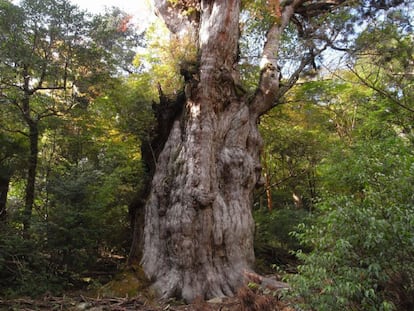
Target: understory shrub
x=81 y=238
x=362 y=241
x=273 y=244
x=24 y=268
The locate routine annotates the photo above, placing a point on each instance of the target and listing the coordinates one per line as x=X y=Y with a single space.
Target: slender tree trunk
x=31 y=176
x=33 y=135
x=4 y=189
x=267 y=181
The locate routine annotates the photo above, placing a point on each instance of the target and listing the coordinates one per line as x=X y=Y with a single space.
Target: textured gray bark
x=199 y=229
x=198 y=236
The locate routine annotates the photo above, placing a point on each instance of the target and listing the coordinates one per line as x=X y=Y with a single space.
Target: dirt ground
x=246 y=300
x=261 y=293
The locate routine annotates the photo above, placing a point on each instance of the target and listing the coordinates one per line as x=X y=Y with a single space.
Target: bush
x=86 y=223
x=87 y=219
x=362 y=242
x=24 y=268
x=273 y=244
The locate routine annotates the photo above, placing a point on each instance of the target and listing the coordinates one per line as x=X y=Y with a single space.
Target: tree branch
x=50 y=111
x=295 y=76
x=285 y=179
x=272 y=44
x=380 y=91
x=7 y=84
x=50 y=88
x=263 y=102
x=13 y=131
x=310 y=9
x=16 y=104
x=41 y=79
x=179 y=17
x=269 y=90
x=269 y=82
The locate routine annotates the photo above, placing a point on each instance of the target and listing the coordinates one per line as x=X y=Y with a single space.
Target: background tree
x=88 y=160
x=49 y=66
x=39 y=75
x=362 y=236
x=11 y=149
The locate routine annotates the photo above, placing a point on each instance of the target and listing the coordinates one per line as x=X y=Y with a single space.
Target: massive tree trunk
x=198 y=223
x=198 y=237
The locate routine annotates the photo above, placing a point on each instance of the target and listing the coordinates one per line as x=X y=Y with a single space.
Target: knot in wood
x=269 y=79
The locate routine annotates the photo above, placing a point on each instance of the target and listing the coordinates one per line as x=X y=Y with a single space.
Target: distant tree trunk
x=4 y=189
x=31 y=178
x=267 y=181
x=33 y=136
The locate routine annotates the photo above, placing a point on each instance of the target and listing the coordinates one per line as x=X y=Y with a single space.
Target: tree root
x=269 y=283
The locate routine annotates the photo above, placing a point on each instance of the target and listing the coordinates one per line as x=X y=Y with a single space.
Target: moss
x=128 y=283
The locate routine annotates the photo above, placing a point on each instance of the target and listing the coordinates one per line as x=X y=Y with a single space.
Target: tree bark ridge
x=198 y=237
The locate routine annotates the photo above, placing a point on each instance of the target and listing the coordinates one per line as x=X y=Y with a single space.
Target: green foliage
x=90 y=123
x=385 y=66
x=362 y=241
x=74 y=228
x=164 y=57
x=273 y=243
x=304 y=135
x=24 y=268
x=131 y=101
x=115 y=36
x=82 y=219
x=11 y=147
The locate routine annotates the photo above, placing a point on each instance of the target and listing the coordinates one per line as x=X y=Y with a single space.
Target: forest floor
x=261 y=293
x=256 y=302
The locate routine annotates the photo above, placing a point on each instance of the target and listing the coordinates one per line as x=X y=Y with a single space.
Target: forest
x=233 y=155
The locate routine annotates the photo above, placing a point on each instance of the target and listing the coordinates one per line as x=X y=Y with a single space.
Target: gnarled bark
x=198 y=236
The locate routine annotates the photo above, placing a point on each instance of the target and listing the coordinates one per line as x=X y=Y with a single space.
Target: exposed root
x=269 y=283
